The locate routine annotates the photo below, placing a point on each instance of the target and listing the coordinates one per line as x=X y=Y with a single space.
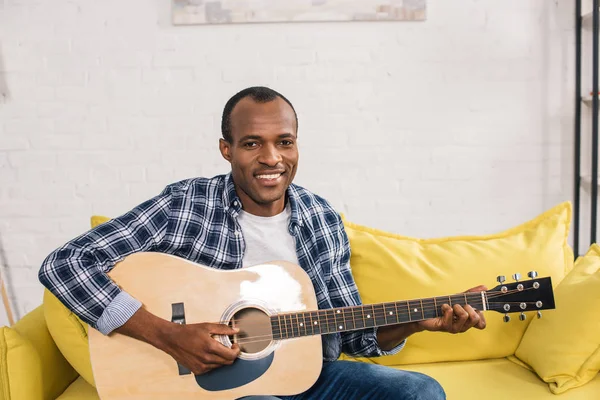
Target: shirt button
x=237 y=233
x=235 y=203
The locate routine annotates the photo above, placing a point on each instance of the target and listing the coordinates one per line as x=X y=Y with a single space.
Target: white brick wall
x=461 y=124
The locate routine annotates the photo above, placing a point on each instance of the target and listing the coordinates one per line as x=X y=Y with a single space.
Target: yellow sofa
x=557 y=356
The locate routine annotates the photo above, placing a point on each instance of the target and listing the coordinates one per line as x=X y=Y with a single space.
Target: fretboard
x=291 y=325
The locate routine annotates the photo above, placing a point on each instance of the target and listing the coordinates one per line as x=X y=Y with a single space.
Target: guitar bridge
x=178 y=317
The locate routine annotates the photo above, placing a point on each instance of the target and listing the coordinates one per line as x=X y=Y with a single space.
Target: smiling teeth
x=273 y=176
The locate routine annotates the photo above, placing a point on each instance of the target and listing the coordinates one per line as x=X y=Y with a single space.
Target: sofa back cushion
x=68 y=330
x=390 y=267
x=31 y=367
x=563 y=347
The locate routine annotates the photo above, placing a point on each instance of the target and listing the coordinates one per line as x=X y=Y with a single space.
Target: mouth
x=270 y=179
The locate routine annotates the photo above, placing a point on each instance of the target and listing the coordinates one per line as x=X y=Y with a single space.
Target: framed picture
x=190 y=12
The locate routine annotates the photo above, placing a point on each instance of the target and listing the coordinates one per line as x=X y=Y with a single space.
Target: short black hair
x=260 y=94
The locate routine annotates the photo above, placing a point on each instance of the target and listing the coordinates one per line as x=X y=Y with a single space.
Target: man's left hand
x=456 y=319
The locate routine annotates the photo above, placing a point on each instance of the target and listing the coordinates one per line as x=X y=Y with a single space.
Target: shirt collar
x=233 y=204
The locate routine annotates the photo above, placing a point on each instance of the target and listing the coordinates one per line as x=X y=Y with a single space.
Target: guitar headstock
x=534 y=294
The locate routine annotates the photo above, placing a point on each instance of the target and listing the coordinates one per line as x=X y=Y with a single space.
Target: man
x=249 y=216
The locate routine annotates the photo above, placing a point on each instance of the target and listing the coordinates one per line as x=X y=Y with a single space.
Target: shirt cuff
x=391 y=352
x=120 y=309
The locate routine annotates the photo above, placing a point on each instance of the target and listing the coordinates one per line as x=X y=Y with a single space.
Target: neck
x=261 y=209
x=291 y=325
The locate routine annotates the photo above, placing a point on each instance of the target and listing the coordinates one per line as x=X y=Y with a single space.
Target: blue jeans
x=358 y=380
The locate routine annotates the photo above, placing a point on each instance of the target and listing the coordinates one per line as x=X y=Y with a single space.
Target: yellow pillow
x=389 y=267
x=70 y=335
x=20 y=367
x=68 y=331
x=563 y=347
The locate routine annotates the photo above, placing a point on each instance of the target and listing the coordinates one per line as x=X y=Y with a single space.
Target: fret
x=357 y=316
x=435 y=307
x=340 y=324
x=275 y=328
x=348 y=319
x=302 y=324
x=290 y=325
x=295 y=325
x=369 y=321
x=316 y=322
x=310 y=323
x=364 y=319
x=324 y=321
x=429 y=311
x=408 y=311
x=457 y=299
x=385 y=315
x=378 y=314
x=415 y=310
x=284 y=329
x=422 y=311
x=279 y=327
x=391 y=313
x=329 y=322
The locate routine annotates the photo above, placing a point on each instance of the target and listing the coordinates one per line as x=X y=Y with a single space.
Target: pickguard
x=241 y=372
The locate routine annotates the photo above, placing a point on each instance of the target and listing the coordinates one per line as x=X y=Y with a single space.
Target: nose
x=269 y=155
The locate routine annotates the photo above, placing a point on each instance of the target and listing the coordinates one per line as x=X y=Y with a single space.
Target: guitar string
x=380 y=307
x=377 y=308
x=262 y=338
x=328 y=322
x=328 y=313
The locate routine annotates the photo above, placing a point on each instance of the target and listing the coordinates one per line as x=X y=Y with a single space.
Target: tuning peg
x=522 y=317
x=539 y=314
x=532 y=274
x=516 y=277
x=501 y=279
x=506 y=318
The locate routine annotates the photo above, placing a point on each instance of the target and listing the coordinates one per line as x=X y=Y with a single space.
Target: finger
x=218 y=349
x=221 y=329
x=473 y=317
x=447 y=317
x=482 y=323
x=461 y=318
x=480 y=288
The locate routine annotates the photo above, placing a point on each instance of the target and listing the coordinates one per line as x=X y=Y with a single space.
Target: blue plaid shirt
x=196 y=219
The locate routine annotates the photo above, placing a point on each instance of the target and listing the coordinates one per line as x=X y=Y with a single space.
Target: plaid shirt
x=196 y=219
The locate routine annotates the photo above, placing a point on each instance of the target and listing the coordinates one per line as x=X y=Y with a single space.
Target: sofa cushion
x=31 y=366
x=69 y=331
x=563 y=347
x=497 y=379
x=69 y=334
x=79 y=390
x=389 y=267
x=19 y=363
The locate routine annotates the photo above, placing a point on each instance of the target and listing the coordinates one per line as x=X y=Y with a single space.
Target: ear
x=225 y=149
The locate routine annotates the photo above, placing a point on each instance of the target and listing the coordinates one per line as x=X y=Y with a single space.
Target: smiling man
x=252 y=215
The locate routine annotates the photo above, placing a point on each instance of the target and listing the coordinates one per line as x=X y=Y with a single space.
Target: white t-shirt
x=267 y=238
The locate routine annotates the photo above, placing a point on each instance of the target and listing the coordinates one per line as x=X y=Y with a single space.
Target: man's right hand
x=191 y=345
x=194 y=347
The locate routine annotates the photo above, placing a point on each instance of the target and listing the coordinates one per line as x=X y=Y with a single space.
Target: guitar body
x=126 y=368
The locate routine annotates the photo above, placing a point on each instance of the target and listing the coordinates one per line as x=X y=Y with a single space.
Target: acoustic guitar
x=275 y=307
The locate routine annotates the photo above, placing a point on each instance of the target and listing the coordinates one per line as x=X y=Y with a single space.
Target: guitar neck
x=292 y=325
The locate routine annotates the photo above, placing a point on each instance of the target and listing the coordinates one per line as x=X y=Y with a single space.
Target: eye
x=250 y=144
x=287 y=142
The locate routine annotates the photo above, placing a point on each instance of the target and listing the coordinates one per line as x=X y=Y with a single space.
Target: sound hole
x=255 y=330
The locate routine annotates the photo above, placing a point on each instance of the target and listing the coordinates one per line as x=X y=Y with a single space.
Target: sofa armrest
x=31 y=366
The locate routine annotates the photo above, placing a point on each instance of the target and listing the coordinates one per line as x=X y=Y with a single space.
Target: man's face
x=263 y=154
